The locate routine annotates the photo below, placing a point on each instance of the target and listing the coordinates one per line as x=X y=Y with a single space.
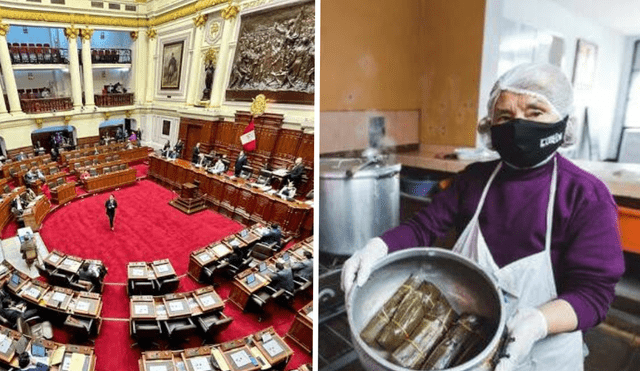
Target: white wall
x=546 y=15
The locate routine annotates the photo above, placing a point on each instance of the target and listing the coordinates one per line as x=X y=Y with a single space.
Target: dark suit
x=304 y=269
x=274 y=235
x=282 y=279
x=295 y=175
x=194 y=155
x=111 y=210
x=240 y=162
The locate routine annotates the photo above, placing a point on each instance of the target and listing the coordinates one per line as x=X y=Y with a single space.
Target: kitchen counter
x=623 y=179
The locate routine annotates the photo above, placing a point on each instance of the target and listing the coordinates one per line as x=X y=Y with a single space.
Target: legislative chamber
x=156 y=185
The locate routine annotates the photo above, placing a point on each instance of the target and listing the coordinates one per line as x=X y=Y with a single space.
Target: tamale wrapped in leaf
x=413 y=352
x=454 y=342
x=370 y=332
x=430 y=295
x=474 y=344
x=404 y=321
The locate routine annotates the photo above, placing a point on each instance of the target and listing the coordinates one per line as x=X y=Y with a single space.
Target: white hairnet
x=544 y=81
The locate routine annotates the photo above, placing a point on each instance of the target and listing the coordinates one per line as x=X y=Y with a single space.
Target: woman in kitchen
x=544 y=229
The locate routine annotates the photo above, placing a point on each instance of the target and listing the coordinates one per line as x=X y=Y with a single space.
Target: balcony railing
x=40 y=105
x=114 y=100
x=37 y=54
x=99 y=56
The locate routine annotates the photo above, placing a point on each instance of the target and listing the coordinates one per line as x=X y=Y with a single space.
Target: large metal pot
x=465 y=285
x=359 y=200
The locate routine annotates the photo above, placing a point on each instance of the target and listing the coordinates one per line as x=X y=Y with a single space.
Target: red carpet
x=146 y=229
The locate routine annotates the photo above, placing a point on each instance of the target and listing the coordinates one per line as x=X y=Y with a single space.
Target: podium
x=190 y=201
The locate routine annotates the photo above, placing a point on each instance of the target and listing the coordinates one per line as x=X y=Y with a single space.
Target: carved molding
x=152 y=33
x=39 y=123
x=259 y=105
x=4 y=28
x=230 y=12
x=211 y=56
x=107 y=115
x=95 y=20
x=86 y=33
x=133 y=35
x=71 y=33
x=200 y=20
x=67 y=120
x=128 y=113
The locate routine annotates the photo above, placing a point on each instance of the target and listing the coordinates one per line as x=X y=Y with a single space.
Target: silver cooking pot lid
x=344 y=168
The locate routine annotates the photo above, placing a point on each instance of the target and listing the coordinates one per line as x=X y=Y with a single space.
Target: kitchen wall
x=548 y=16
x=415 y=63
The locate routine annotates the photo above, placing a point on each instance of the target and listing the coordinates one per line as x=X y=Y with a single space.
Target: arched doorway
x=62 y=136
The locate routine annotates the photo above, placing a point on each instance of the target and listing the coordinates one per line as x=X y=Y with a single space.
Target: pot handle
x=501 y=351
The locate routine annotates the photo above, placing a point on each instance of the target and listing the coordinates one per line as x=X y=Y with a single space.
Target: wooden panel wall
x=275 y=146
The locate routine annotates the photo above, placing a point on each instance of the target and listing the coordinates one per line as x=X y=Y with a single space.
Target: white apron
x=527 y=282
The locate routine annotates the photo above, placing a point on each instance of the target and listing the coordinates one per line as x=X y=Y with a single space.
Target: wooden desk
x=272 y=346
x=232 y=196
x=143 y=271
x=5 y=206
x=34 y=215
x=111 y=180
x=63 y=193
x=142 y=307
x=40 y=160
x=241 y=359
x=241 y=290
x=171 y=306
x=301 y=331
x=70 y=265
x=163 y=268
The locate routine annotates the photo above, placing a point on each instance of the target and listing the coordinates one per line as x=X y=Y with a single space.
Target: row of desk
x=35 y=212
x=211 y=254
x=69 y=265
x=62 y=301
x=264 y=350
x=5 y=206
x=234 y=197
x=63 y=193
x=56 y=356
x=51 y=173
x=66 y=156
x=111 y=180
x=202 y=301
x=126 y=155
x=244 y=286
x=145 y=278
x=39 y=160
x=301 y=331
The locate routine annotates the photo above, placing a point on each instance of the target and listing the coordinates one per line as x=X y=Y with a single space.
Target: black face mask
x=525 y=143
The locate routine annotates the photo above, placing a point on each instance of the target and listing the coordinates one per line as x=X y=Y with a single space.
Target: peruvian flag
x=248 y=138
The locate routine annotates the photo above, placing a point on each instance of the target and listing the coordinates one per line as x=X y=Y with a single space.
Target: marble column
x=3 y=107
x=135 y=57
x=74 y=66
x=87 y=68
x=7 y=72
x=196 y=60
x=151 y=58
x=218 y=89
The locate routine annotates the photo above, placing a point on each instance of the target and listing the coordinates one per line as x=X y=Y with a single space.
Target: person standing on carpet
x=111 y=205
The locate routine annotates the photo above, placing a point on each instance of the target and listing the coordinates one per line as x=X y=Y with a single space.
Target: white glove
x=526 y=327
x=361 y=263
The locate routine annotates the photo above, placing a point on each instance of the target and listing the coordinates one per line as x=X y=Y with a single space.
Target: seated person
x=172 y=155
x=29 y=196
x=282 y=278
x=54 y=154
x=288 y=191
x=304 y=269
x=33 y=175
x=129 y=145
x=21 y=156
x=85 y=174
x=218 y=167
x=273 y=235
x=95 y=151
x=236 y=257
x=28 y=249
x=240 y=162
x=16 y=207
x=93 y=273
x=295 y=174
x=200 y=161
x=309 y=195
x=11 y=310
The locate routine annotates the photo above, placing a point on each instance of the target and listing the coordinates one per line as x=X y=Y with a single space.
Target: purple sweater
x=585 y=250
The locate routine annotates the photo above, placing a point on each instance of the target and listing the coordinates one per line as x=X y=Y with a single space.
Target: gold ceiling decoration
x=71 y=32
x=86 y=33
x=128 y=113
x=67 y=120
x=152 y=33
x=230 y=12
x=106 y=115
x=259 y=105
x=134 y=35
x=4 y=28
x=39 y=123
x=211 y=56
x=97 y=20
x=200 y=20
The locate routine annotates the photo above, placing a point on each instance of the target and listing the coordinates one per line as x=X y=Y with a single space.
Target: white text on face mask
x=555 y=138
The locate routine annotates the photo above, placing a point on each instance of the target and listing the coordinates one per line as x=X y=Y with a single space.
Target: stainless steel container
x=359 y=200
x=465 y=285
